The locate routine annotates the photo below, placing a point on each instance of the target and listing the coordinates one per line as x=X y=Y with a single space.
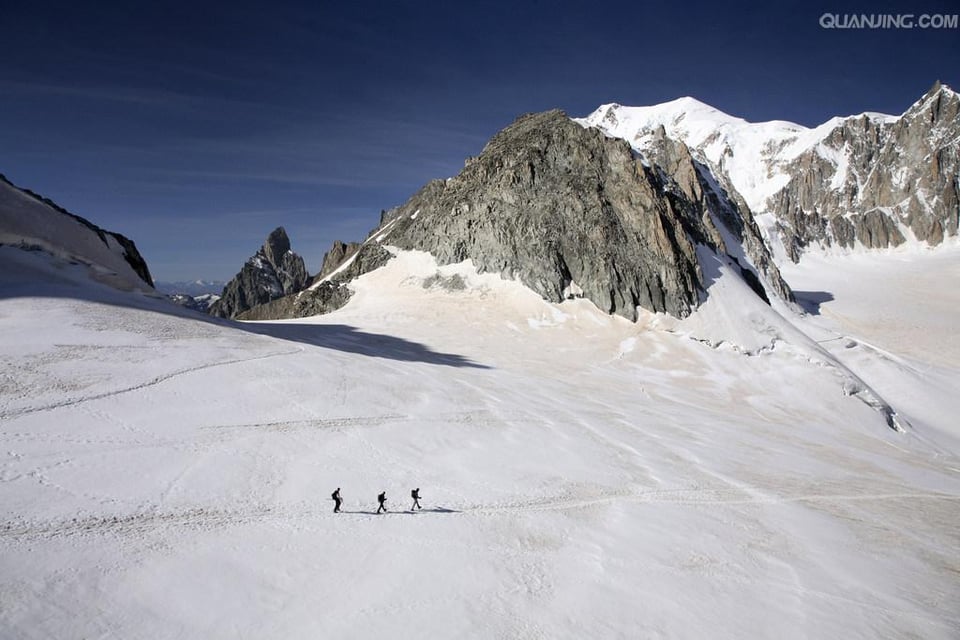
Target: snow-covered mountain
x=748 y=153
x=31 y=222
x=869 y=180
x=201 y=302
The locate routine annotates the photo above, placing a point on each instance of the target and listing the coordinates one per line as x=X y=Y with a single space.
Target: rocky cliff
x=616 y=205
x=327 y=293
x=337 y=255
x=271 y=273
x=874 y=181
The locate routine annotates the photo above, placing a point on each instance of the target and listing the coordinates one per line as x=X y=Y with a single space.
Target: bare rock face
x=551 y=203
x=872 y=180
x=369 y=256
x=325 y=294
x=323 y=298
x=273 y=272
x=726 y=217
x=336 y=256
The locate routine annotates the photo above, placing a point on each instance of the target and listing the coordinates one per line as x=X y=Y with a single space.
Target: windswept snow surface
x=891 y=315
x=164 y=476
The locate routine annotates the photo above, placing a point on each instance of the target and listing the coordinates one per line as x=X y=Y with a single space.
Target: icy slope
x=27 y=221
x=582 y=476
x=890 y=318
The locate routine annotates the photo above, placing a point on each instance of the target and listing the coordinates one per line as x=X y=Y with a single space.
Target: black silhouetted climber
x=381 y=499
x=415 y=494
x=336 y=500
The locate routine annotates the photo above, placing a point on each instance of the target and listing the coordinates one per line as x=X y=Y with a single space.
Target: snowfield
x=733 y=475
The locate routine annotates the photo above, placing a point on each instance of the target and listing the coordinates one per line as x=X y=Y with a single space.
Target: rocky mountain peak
x=876 y=181
x=276 y=246
x=554 y=204
x=624 y=204
x=939 y=105
x=271 y=273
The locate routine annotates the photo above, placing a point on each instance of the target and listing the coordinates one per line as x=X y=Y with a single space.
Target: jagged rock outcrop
x=32 y=221
x=735 y=232
x=368 y=257
x=273 y=272
x=560 y=206
x=871 y=179
x=553 y=204
x=329 y=294
x=319 y=299
x=338 y=253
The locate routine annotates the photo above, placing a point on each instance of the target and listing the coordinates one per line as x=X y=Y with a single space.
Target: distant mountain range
x=201 y=302
x=191 y=288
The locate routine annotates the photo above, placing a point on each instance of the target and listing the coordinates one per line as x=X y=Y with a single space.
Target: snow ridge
x=752 y=154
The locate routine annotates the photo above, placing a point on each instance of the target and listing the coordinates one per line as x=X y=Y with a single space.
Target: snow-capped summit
x=690 y=120
x=823 y=186
x=562 y=206
x=738 y=148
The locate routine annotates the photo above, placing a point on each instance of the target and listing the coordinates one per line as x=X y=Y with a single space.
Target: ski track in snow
x=16 y=413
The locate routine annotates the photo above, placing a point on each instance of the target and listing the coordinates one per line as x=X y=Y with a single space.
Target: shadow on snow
x=29 y=275
x=352 y=340
x=811 y=300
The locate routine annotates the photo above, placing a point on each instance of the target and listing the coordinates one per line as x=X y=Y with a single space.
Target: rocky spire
x=271 y=273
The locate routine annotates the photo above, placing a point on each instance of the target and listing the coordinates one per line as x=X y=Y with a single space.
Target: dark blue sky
x=196 y=128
